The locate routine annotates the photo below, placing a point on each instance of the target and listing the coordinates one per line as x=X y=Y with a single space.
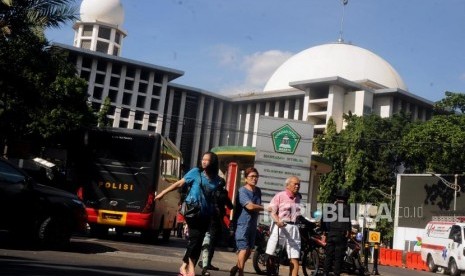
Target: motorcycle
x=259 y=257
x=352 y=259
x=314 y=259
x=311 y=248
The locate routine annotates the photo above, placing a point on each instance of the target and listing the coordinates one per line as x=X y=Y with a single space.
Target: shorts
x=289 y=237
x=245 y=236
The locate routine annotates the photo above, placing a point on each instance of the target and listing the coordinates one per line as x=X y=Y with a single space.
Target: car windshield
x=9 y=174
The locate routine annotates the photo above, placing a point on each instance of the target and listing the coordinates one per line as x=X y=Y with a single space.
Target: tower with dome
x=100 y=26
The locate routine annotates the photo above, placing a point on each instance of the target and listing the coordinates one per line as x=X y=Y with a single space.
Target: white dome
x=337 y=59
x=107 y=11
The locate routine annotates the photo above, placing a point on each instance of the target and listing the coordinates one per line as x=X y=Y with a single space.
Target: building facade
x=319 y=83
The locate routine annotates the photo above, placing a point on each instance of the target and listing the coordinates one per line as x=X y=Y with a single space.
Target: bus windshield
x=127 y=148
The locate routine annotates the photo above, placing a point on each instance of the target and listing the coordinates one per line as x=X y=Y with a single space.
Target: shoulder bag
x=192 y=210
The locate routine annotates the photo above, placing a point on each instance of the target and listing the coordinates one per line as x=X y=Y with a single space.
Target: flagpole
x=344 y=3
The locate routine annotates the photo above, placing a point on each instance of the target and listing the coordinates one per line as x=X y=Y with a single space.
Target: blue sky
x=230 y=47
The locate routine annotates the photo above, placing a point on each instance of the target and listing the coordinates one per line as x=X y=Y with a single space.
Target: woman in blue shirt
x=250 y=200
x=202 y=182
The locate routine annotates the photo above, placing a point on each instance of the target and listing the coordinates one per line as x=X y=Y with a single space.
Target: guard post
x=375 y=238
x=365 y=255
x=375 y=259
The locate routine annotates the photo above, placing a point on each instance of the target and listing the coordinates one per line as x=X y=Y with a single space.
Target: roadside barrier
x=382 y=256
x=390 y=257
x=394 y=257
x=413 y=261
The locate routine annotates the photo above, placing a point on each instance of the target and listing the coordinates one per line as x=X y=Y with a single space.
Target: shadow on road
x=24 y=266
x=9 y=242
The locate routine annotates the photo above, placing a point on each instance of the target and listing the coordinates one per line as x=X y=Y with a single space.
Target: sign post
x=284 y=148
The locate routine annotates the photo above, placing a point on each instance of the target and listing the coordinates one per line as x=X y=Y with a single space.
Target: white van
x=442 y=246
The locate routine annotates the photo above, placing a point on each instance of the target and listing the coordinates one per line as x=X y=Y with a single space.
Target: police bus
x=118 y=172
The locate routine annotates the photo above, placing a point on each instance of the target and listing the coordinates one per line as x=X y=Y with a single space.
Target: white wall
x=405 y=238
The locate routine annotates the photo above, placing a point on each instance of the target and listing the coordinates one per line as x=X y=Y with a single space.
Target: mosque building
x=321 y=82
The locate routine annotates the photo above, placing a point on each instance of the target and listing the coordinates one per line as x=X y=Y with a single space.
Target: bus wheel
x=119 y=232
x=166 y=234
x=149 y=236
x=98 y=231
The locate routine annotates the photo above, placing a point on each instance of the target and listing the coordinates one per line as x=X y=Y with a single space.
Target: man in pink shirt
x=284 y=209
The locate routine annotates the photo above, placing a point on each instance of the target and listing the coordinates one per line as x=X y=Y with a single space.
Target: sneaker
x=233 y=270
x=205 y=272
x=212 y=267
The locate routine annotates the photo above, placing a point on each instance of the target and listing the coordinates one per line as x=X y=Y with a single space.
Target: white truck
x=442 y=246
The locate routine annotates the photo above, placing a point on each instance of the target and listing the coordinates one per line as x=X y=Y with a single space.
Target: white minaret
x=100 y=26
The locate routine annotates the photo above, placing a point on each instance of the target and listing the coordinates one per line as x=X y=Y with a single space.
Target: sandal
x=233 y=270
x=205 y=272
x=182 y=273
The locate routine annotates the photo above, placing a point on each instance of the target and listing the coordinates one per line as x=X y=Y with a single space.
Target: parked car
x=37 y=213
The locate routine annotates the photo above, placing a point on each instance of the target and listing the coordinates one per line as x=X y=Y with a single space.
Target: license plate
x=112 y=218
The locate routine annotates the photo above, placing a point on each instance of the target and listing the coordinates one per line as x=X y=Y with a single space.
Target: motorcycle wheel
x=272 y=266
x=359 y=266
x=259 y=262
x=310 y=262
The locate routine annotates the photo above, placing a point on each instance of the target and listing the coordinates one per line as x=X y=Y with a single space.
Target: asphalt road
x=89 y=257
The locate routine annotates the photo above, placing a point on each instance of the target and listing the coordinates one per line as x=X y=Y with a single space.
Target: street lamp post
x=456 y=189
x=390 y=197
x=454 y=186
x=386 y=195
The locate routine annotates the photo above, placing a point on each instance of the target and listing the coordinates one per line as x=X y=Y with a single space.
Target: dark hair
x=250 y=170
x=213 y=167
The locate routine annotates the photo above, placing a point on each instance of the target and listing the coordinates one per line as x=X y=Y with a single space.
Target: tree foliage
x=436 y=145
x=365 y=158
x=452 y=103
x=365 y=154
x=41 y=97
x=102 y=115
x=21 y=17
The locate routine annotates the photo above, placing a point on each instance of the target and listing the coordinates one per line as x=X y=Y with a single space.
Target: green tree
x=452 y=103
x=436 y=145
x=20 y=17
x=331 y=147
x=102 y=118
x=365 y=154
x=41 y=98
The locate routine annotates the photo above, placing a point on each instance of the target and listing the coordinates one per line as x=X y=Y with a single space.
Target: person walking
x=284 y=210
x=250 y=200
x=179 y=222
x=221 y=202
x=338 y=230
x=203 y=182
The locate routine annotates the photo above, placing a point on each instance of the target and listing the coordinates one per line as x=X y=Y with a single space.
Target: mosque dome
x=107 y=11
x=335 y=59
